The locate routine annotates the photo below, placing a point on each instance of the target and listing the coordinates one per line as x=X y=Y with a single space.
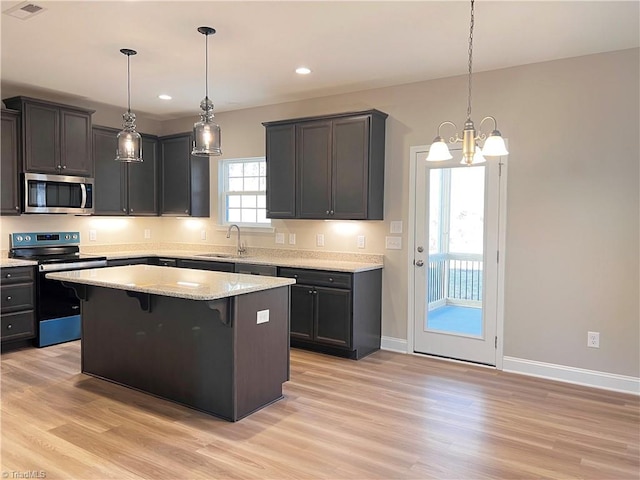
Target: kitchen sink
x=217 y=255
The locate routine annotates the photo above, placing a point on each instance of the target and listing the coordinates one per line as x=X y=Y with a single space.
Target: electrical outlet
x=593 y=339
x=393 y=243
x=361 y=241
x=320 y=240
x=203 y=234
x=262 y=317
x=93 y=235
x=280 y=238
x=292 y=239
x=147 y=233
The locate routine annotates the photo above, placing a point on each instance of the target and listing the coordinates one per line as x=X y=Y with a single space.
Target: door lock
x=420 y=249
x=418 y=263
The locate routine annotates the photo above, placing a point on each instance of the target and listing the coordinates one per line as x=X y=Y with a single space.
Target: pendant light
x=129 y=141
x=471 y=154
x=206 y=133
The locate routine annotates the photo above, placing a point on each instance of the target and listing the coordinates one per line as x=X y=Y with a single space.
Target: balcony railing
x=455 y=279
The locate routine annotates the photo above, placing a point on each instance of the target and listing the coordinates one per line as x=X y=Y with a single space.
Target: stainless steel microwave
x=58 y=194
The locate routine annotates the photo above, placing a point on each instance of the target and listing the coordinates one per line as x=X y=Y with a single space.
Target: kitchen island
x=217 y=342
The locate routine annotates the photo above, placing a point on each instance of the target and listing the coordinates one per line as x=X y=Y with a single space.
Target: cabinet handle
x=124 y=210
x=331 y=212
x=295 y=276
x=9 y=327
x=8 y=275
x=17 y=207
x=331 y=279
x=186 y=211
x=8 y=297
x=310 y=291
x=59 y=167
x=131 y=210
x=327 y=212
x=64 y=167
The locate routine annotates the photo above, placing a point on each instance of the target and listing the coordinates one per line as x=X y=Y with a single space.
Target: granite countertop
x=258 y=259
x=14 y=262
x=172 y=282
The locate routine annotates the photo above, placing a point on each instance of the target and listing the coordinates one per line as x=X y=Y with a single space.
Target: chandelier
x=471 y=152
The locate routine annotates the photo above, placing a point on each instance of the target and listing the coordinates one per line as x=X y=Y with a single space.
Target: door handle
x=418 y=263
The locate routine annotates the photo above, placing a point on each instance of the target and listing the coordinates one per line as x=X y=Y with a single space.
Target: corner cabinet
x=56 y=138
x=123 y=188
x=336 y=312
x=329 y=167
x=10 y=158
x=185 y=178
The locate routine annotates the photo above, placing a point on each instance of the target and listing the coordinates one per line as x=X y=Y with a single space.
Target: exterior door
x=456 y=258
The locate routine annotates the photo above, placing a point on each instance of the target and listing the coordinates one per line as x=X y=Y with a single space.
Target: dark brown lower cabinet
x=18 y=304
x=335 y=312
x=206 y=265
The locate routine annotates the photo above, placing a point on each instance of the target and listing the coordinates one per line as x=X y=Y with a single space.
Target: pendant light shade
x=129 y=147
x=206 y=132
x=494 y=145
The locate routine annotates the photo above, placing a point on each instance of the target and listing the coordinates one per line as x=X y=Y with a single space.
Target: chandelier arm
x=446 y=122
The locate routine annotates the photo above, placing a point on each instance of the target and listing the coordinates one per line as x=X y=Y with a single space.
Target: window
x=243 y=192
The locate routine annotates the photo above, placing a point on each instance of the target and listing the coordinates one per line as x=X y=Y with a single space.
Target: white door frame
x=411 y=246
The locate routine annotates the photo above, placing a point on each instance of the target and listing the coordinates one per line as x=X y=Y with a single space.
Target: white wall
x=573 y=212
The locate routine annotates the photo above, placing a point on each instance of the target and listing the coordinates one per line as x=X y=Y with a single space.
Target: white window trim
x=223 y=225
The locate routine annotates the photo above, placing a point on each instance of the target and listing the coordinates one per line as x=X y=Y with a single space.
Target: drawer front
x=120 y=262
x=206 y=265
x=17 y=275
x=252 y=269
x=17 y=326
x=318 y=277
x=17 y=297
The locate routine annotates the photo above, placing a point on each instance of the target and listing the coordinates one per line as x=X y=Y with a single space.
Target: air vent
x=24 y=10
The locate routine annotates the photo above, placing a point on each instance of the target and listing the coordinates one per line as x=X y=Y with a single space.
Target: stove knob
x=27 y=238
x=67 y=237
x=75 y=237
x=19 y=238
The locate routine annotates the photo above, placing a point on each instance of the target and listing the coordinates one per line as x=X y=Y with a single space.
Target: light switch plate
x=320 y=240
x=280 y=238
x=262 y=317
x=393 y=243
x=396 y=226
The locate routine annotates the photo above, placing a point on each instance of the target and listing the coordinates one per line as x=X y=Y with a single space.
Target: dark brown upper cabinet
x=123 y=188
x=184 y=178
x=328 y=167
x=56 y=138
x=10 y=157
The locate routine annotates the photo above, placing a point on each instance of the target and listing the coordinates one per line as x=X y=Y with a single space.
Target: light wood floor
x=386 y=416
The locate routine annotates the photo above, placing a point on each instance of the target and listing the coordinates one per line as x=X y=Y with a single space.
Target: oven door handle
x=56 y=267
x=83 y=187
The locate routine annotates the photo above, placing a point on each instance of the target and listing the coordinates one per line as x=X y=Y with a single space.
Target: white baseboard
x=394 y=344
x=579 y=376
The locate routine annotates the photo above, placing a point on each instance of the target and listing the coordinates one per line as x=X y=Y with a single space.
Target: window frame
x=224 y=192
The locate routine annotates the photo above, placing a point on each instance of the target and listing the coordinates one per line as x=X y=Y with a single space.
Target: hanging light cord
x=470 y=59
x=206 y=63
x=128 y=84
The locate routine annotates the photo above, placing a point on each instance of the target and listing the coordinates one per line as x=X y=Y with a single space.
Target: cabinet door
x=143 y=180
x=281 y=171
x=350 y=167
x=175 y=153
x=41 y=138
x=333 y=316
x=10 y=170
x=302 y=311
x=75 y=146
x=109 y=186
x=313 y=153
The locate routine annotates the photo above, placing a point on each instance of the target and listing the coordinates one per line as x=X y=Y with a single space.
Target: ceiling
x=72 y=48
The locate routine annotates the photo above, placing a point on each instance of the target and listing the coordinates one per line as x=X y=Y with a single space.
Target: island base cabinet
x=213 y=356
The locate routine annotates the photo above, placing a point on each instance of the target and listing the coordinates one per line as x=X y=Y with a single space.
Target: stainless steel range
x=57 y=308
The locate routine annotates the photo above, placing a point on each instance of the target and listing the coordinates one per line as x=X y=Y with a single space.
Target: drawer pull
x=310 y=291
x=8 y=297
x=331 y=279
x=8 y=275
x=9 y=327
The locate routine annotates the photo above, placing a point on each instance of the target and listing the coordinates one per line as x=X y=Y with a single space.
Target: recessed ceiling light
x=164 y=96
x=303 y=71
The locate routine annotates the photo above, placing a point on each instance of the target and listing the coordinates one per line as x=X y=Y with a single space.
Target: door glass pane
x=456 y=226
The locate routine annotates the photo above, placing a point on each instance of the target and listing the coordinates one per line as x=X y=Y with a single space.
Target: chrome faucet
x=241 y=248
